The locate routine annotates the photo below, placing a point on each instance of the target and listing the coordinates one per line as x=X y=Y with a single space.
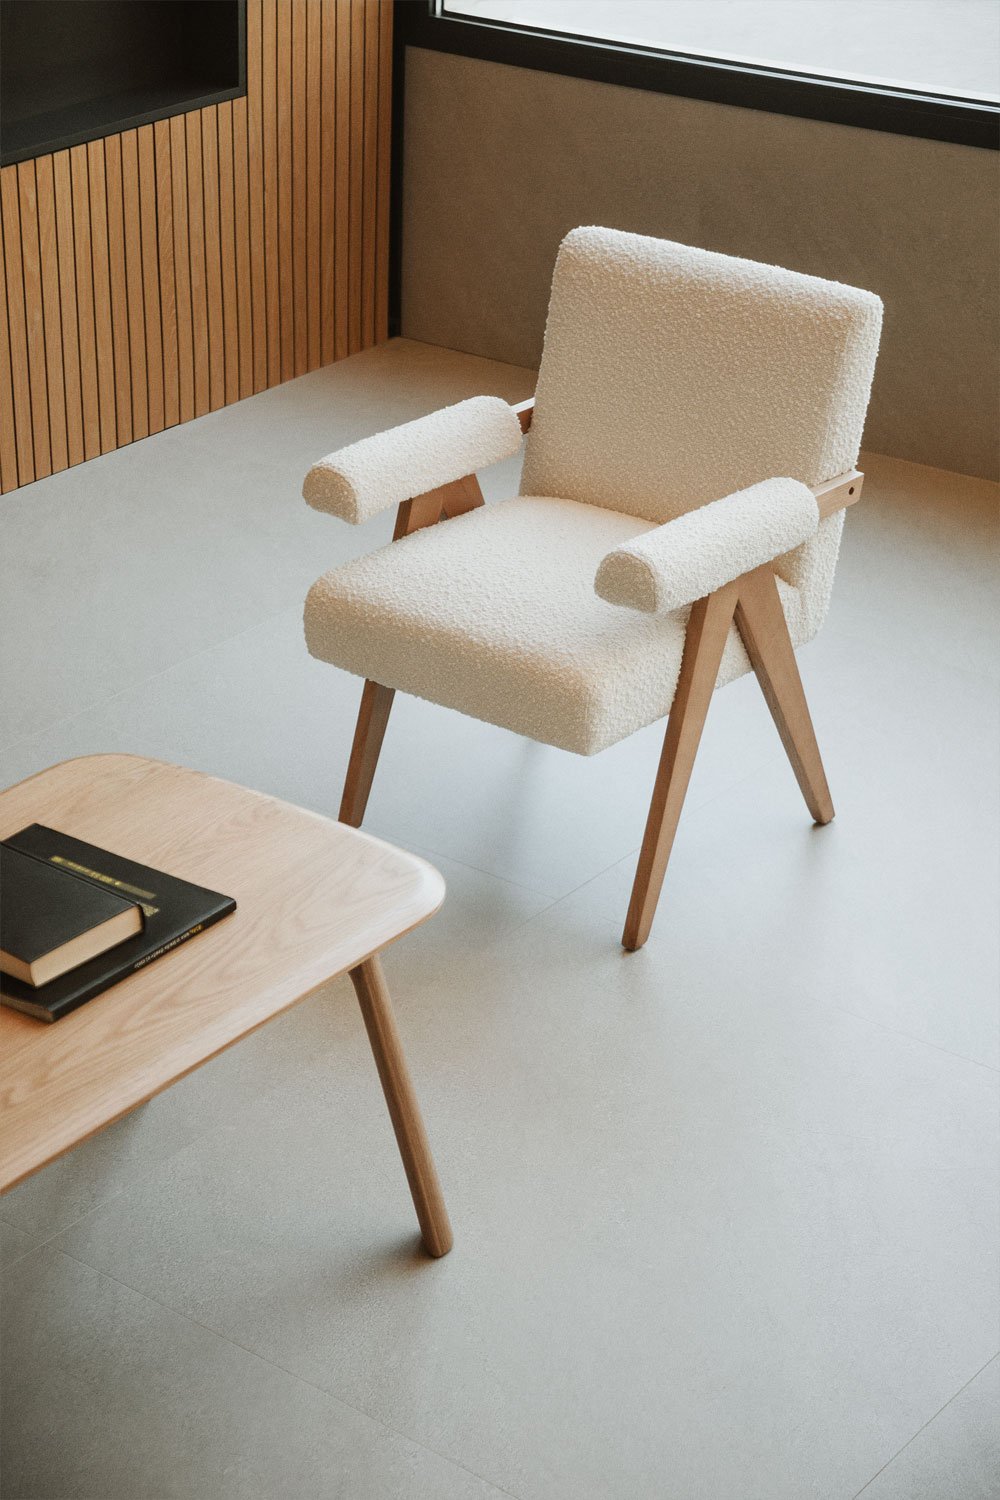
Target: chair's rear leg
x=373 y=716
x=761 y=622
x=704 y=643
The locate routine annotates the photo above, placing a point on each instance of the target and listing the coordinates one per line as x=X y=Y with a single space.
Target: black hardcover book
x=52 y=921
x=174 y=911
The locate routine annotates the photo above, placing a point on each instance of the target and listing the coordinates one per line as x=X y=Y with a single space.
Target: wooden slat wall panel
x=34 y=318
x=384 y=172
x=84 y=268
x=48 y=255
x=8 y=435
x=167 y=275
x=103 y=319
x=119 y=287
x=182 y=269
x=63 y=189
x=153 y=276
x=255 y=191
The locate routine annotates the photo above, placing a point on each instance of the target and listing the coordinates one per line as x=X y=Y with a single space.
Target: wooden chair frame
x=752 y=601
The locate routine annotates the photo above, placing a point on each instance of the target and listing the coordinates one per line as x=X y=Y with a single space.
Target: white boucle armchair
x=690 y=453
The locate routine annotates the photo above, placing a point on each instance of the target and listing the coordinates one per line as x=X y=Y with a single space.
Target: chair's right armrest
x=378 y=472
x=672 y=565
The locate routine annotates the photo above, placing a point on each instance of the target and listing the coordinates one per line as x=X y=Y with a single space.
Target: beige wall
x=501 y=162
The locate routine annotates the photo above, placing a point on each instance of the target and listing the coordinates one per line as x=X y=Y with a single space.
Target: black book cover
x=43 y=907
x=174 y=911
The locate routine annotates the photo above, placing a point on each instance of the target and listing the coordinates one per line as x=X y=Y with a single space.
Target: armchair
x=690 y=453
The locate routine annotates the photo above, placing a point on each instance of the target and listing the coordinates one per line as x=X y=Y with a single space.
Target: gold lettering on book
x=167 y=946
x=118 y=885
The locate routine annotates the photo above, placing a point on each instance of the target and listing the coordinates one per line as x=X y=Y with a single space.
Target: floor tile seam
x=633 y=853
x=911 y=1037
x=142 y=1175
x=293 y=1375
x=54 y=725
x=424 y=851
x=925 y=1425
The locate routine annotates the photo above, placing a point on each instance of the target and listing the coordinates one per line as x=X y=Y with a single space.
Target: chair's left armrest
x=673 y=565
x=378 y=472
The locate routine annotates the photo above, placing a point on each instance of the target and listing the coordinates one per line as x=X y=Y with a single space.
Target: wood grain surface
x=315 y=899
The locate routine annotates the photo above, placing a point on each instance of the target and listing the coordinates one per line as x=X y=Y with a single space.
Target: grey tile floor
x=725 y=1210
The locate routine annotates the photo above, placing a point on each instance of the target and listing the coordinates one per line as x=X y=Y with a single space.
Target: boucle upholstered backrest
x=672 y=376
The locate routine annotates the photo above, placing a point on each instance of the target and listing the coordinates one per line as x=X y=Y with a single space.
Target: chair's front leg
x=413 y=515
x=704 y=643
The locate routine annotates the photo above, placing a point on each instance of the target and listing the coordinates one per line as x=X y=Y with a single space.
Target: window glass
x=949 y=47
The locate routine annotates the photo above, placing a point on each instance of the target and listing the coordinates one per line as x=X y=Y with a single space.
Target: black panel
x=74 y=70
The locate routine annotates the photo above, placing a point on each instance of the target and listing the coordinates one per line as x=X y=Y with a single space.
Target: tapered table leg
x=414 y=1148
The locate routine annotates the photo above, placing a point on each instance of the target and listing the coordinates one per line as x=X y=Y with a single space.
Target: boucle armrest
x=675 y=564
x=366 y=477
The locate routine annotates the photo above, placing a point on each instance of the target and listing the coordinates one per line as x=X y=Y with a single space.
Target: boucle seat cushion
x=495 y=614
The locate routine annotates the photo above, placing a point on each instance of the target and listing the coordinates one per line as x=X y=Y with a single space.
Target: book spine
x=73 y=1002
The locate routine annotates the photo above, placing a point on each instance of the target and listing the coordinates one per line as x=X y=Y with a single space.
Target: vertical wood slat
x=34 y=318
x=213 y=258
x=369 y=173
x=133 y=285
x=80 y=183
x=272 y=191
x=151 y=276
x=103 y=317
x=342 y=168
x=182 y=268
x=357 y=159
x=227 y=254
x=314 y=181
x=149 y=239
x=48 y=257
x=165 y=270
x=241 y=236
x=286 y=270
x=119 y=287
x=8 y=431
x=327 y=180
x=300 y=314
x=255 y=192
x=384 y=171
x=196 y=262
x=10 y=209
x=63 y=189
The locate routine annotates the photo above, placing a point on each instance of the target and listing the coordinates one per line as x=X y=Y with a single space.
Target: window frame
x=811 y=96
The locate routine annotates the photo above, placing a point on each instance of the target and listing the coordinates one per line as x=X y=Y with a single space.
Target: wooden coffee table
x=315 y=899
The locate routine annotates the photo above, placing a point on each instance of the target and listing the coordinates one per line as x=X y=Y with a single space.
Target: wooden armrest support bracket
x=448 y=500
x=524 y=411
x=837 y=494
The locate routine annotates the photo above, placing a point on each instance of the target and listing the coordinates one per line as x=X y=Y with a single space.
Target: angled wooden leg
x=704 y=643
x=761 y=622
x=380 y=1023
x=373 y=716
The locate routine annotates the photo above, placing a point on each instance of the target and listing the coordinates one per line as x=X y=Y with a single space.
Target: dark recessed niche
x=74 y=70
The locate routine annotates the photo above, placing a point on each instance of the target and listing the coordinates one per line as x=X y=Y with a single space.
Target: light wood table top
x=314 y=899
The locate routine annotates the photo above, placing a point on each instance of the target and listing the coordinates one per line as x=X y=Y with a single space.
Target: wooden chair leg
x=761 y=622
x=380 y=1023
x=704 y=643
x=373 y=716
